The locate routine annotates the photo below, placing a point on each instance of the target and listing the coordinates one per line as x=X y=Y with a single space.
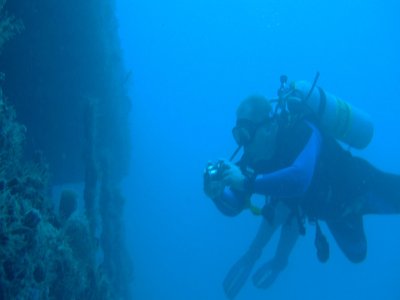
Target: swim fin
x=265 y=276
x=238 y=275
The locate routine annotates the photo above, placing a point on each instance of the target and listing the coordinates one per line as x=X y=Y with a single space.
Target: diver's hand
x=213 y=185
x=233 y=176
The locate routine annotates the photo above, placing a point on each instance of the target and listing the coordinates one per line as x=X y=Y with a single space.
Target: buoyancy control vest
x=335 y=118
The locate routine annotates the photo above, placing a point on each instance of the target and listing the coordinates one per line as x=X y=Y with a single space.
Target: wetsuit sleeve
x=231 y=202
x=294 y=180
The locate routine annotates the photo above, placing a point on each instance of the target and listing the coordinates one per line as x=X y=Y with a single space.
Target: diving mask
x=245 y=131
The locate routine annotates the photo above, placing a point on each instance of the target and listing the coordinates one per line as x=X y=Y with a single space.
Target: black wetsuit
x=310 y=171
x=344 y=188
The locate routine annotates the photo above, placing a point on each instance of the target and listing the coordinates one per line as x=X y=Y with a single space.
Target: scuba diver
x=292 y=156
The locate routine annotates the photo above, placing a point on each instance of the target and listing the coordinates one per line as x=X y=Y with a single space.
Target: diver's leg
x=287 y=241
x=240 y=271
x=384 y=194
x=267 y=228
x=350 y=237
x=267 y=274
x=379 y=191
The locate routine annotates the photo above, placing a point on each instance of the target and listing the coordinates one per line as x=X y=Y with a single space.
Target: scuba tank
x=335 y=116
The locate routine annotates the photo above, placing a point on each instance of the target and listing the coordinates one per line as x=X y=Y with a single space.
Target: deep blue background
x=192 y=62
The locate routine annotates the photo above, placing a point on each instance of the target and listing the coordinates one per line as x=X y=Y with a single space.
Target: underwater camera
x=213 y=171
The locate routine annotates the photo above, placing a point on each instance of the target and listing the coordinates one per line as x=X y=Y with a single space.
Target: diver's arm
x=293 y=180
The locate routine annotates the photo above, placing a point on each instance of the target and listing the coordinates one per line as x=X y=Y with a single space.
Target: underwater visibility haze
x=192 y=63
x=110 y=111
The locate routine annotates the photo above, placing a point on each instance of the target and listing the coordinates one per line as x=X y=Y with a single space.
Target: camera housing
x=213 y=171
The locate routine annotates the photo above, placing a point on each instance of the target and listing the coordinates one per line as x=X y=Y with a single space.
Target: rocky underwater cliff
x=64 y=113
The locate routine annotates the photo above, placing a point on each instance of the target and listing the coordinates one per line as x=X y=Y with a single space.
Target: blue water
x=192 y=62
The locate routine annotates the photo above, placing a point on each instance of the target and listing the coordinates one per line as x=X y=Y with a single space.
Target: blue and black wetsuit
x=312 y=171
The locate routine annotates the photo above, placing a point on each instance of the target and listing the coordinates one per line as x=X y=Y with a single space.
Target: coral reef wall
x=68 y=54
x=63 y=118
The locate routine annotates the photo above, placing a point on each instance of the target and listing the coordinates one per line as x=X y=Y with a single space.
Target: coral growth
x=68 y=204
x=42 y=255
x=9 y=25
x=12 y=135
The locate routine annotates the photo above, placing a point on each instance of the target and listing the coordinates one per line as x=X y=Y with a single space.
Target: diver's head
x=255 y=129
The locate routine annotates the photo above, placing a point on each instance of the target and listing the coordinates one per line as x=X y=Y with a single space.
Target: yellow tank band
x=343 y=119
